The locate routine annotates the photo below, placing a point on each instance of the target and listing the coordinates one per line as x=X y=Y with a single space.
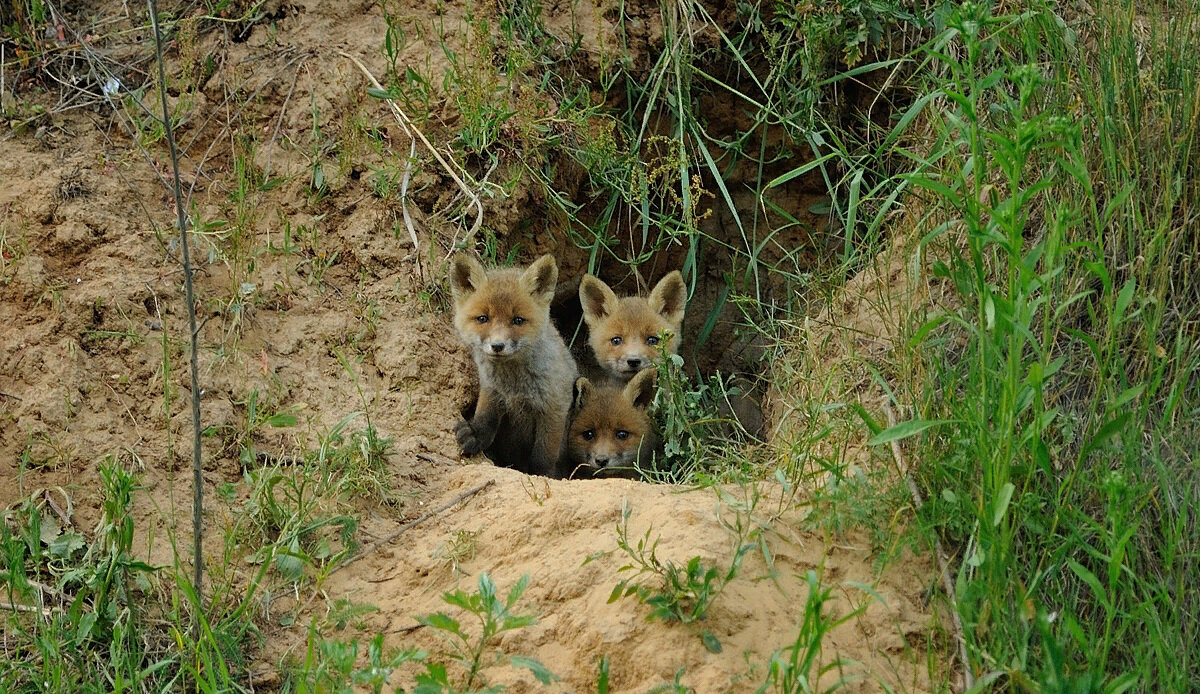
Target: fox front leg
x=544 y=458
x=479 y=432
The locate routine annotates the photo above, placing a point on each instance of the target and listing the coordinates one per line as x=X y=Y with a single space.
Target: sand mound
x=548 y=530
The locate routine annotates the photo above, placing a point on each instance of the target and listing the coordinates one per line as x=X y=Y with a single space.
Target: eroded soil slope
x=319 y=306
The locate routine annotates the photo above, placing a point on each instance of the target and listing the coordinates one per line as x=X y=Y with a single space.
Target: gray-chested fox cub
x=526 y=373
x=610 y=428
x=624 y=333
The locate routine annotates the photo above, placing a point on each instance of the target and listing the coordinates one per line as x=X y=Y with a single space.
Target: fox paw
x=468 y=441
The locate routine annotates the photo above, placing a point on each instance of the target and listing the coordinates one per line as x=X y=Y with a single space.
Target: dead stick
x=17 y=607
x=410 y=129
x=943 y=564
x=412 y=524
x=437 y=458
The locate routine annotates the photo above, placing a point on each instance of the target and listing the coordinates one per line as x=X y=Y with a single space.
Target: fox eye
x=517 y=320
x=589 y=434
x=481 y=318
x=622 y=434
x=616 y=341
x=652 y=340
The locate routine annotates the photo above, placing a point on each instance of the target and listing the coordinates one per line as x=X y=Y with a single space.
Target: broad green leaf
x=282 y=420
x=1003 y=497
x=534 y=666
x=442 y=622
x=84 y=630
x=1094 y=583
x=67 y=544
x=905 y=429
x=617 y=592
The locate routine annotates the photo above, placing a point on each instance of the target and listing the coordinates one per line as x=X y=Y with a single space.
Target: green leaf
x=928 y=327
x=531 y=664
x=433 y=681
x=602 y=676
x=1123 y=300
x=799 y=170
x=66 y=544
x=937 y=187
x=1122 y=683
x=290 y=564
x=1110 y=429
x=821 y=208
x=865 y=416
x=1003 y=497
x=379 y=93
x=869 y=591
x=1094 y=583
x=458 y=599
x=1127 y=396
x=712 y=643
x=84 y=630
x=487 y=589
x=518 y=622
x=282 y=420
x=515 y=593
x=905 y=429
x=442 y=622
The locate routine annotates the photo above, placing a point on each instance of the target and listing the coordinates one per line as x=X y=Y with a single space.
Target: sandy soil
x=92 y=307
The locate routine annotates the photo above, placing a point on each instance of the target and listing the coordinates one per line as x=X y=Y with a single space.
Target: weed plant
x=83 y=615
x=471 y=652
x=799 y=668
x=676 y=592
x=1058 y=403
x=332 y=665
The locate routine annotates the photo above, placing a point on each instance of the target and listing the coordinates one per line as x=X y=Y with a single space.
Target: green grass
x=86 y=616
x=1055 y=193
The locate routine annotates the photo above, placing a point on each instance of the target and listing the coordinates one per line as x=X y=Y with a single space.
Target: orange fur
x=624 y=333
x=611 y=433
x=525 y=370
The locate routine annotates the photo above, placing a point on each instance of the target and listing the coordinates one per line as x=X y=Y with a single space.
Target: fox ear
x=641 y=388
x=466 y=276
x=669 y=298
x=580 y=393
x=597 y=299
x=540 y=278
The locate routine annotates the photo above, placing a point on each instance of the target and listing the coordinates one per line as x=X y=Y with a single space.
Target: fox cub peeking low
x=610 y=428
x=525 y=371
x=624 y=333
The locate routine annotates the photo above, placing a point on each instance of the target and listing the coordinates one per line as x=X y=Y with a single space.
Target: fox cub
x=624 y=333
x=610 y=429
x=525 y=371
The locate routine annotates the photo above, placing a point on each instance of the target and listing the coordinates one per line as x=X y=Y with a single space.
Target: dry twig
x=412 y=524
x=411 y=129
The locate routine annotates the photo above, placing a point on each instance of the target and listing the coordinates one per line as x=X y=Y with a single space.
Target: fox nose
x=600 y=460
x=635 y=362
x=497 y=347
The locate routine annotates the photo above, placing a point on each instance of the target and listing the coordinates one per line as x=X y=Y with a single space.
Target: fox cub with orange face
x=610 y=428
x=625 y=333
x=525 y=371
